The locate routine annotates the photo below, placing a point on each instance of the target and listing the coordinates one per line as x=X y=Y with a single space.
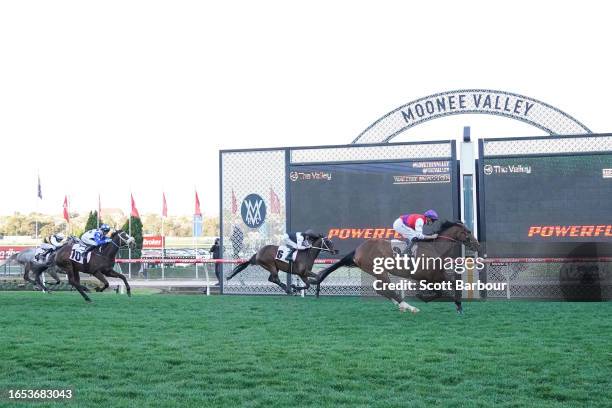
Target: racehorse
x=302 y=266
x=451 y=235
x=26 y=259
x=100 y=264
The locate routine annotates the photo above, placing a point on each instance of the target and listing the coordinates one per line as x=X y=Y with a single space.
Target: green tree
x=92 y=221
x=136 y=233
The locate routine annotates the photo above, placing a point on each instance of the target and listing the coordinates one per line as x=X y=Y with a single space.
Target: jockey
x=96 y=237
x=298 y=241
x=410 y=226
x=49 y=245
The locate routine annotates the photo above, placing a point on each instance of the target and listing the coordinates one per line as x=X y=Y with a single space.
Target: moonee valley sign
x=514 y=106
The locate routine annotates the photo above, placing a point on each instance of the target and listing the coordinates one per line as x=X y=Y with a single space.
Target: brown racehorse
x=100 y=265
x=302 y=266
x=452 y=234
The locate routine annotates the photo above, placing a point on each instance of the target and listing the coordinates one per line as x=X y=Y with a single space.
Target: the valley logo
x=510 y=169
x=253 y=210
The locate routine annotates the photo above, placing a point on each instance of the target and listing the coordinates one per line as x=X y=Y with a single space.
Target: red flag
x=198 y=212
x=134 y=209
x=164 y=206
x=66 y=214
x=274 y=202
x=234 y=203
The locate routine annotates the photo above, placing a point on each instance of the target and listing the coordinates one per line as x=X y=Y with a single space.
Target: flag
x=134 y=212
x=274 y=202
x=39 y=188
x=164 y=206
x=234 y=203
x=66 y=214
x=198 y=212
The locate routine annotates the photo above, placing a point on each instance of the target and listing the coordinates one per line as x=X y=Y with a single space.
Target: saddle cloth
x=283 y=252
x=77 y=253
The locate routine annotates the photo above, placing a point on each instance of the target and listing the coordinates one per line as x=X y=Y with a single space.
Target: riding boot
x=409 y=245
x=290 y=254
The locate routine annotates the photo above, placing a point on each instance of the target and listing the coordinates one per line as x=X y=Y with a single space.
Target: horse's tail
x=347 y=260
x=12 y=258
x=240 y=267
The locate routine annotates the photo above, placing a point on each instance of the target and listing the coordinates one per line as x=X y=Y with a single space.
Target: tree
x=92 y=221
x=136 y=233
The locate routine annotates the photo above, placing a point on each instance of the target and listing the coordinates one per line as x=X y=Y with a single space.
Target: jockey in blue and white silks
x=96 y=237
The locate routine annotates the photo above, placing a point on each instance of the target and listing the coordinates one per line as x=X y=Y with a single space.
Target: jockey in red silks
x=410 y=226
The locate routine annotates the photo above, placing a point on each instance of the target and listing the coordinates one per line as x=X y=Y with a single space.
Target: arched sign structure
x=472 y=101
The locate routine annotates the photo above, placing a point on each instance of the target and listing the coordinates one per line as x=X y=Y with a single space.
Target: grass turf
x=287 y=351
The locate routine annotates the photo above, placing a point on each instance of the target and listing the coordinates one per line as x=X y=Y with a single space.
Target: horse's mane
x=446 y=224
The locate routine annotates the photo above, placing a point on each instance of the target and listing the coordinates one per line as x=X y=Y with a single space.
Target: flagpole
x=195 y=242
x=39 y=195
x=99 y=210
x=163 y=237
x=68 y=221
x=163 y=254
x=130 y=234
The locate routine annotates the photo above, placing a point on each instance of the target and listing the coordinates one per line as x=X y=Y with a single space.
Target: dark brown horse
x=302 y=266
x=100 y=264
x=451 y=236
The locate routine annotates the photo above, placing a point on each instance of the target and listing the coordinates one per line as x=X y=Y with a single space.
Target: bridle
x=123 y=241
x=324 y=247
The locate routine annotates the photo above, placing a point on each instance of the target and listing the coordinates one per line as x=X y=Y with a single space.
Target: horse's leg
x=458 y=295
x=102 y=279
x=51 y=271
x=74 y=280
x=391 y=294
x=77 y=279
x=274 y=279
x=37 y=274
x=300 y=288
x=26 y=275
x=313 y=278
x=114 y=274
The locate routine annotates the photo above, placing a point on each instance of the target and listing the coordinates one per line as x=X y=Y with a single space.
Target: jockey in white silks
x=298 y=241
x=49 y=245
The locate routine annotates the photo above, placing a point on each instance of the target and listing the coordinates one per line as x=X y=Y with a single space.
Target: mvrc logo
x=253 y=210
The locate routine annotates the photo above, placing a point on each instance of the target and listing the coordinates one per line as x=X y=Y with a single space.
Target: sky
x=139 y=96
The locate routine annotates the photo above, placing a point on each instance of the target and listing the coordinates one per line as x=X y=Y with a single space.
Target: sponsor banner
x=153 y=241
x=352 y=202
x=547 y=206
x=570 y=231
x=7 y=250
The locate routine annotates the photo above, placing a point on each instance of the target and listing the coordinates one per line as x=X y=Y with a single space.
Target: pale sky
x=108 y=97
